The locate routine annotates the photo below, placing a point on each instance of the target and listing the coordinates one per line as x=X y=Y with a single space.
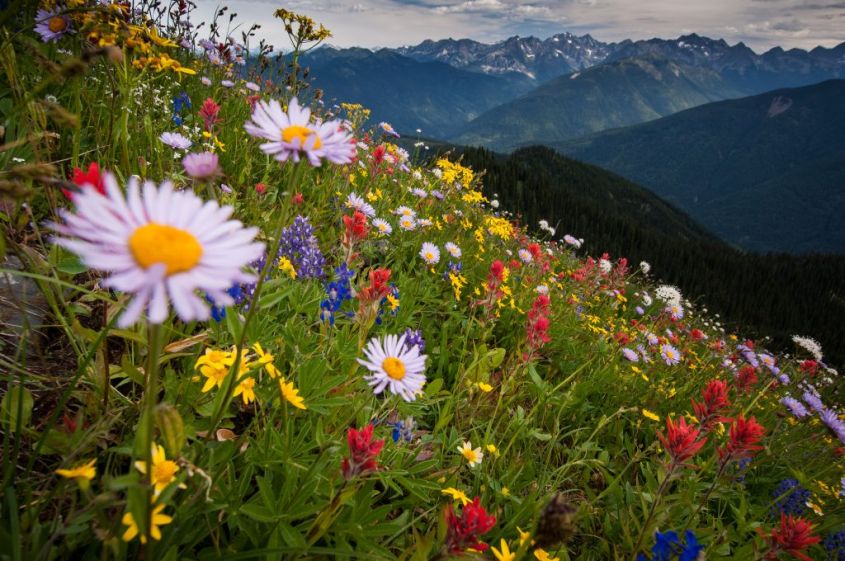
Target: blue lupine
x=834 y=543
x=790 y=498
x=299 y=245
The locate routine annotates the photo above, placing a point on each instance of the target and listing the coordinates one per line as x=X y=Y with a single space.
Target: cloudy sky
x=761 y=24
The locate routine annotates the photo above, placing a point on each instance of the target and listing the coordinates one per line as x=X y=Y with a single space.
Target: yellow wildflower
x=216 y=358
x=649 y=415
x=158 y=519
x=215 y=374
x=393 y=301
x=503 y=554
x=246 y=389
x=523 y=536
x=286 y=266
x=543 y=555
x=456 y=495
x=266 y=360
x=163 y=472
x=291 y=394
x=486 y=388
x=82 y=473
x=492 y=449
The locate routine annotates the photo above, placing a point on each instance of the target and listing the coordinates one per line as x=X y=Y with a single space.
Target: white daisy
x=407 y=223
x=356 y=202
x=430 y=253
x=406 y=211
x=394 y=367
x=292 y=134
x=472 y=455
x=383 y=226
x=160 y=245
x=453 y=249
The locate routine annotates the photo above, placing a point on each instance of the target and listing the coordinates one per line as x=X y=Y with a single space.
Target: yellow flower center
x=57 y=24
x=163 y=472
x=429 y=256
x=469 y=454
x=394 y=367
x=302 y=133
x=177 y=249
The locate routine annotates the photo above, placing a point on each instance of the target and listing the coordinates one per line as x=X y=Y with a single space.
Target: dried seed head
x=557 y=522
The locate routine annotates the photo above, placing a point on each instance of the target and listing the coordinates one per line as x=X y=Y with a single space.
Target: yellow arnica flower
x=246 y=389
x=503 y=554
x=472 y=455
x=266 y=360
x=158 y=519
x=216 y=358
x=649 y=415
x=215 y=375
x=523 y=536
x=291 y=394
x=456 y=494
x=542 y=555
x=492 y=449
x=83 y=473
x=286 y=266
x=486 y=388
x=164 y=470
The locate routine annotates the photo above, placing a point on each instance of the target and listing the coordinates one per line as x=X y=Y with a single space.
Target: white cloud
x=371 y=23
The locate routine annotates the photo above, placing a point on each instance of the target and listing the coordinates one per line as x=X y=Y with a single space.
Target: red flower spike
x=745 y=437
x=209 y=113
x=681 y=440
x=362 y=452
x=378 y=287
x=464 y=532
x=746 y=378
x=297 y=199
x=356 y=228
x=811 y=367
x=715 y=402
x=792 y=536
x=87 y=179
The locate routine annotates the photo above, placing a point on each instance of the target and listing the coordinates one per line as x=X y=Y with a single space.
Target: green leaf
x=16 y=408
x=71 y=265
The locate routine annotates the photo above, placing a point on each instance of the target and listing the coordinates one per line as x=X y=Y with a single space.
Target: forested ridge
x=777 y=295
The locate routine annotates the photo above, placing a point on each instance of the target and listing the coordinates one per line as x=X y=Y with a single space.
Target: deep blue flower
x=664 y=545
x=414 y=338
x=790 y=498
x=691 y=549
x=337 y=292
x=834 y=543
x=180 y=103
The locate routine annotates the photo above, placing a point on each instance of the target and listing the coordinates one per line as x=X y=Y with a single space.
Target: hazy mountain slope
x=606 y=96
x=765 y=172
x=408 y=94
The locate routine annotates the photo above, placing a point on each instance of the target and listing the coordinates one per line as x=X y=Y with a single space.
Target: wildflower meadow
x=243 y=323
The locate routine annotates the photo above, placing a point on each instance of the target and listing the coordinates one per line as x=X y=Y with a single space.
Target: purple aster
x=252 y=86
x=831 y=419
x=227 y=83
x=176 y=140
x=670 y=354
x=639 y=310
x=299 y=245
x=630 y=355
x=438 y=195
x=204 y=165
x=813 y=400
x=783 y=379
x=52 y=25
x=795 y=407
x=206 y=81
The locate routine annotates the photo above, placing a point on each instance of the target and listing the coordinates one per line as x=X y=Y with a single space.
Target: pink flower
x=204 y=165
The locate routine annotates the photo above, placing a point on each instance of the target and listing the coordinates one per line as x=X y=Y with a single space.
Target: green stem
x=660 y=490
x=154 y=347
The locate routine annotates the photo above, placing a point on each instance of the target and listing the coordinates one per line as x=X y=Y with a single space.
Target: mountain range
x=765 y=172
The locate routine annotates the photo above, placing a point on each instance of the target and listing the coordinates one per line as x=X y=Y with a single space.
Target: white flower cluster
x=669 y=294
x=544 y=225
x=645 y=267
x=810 y=345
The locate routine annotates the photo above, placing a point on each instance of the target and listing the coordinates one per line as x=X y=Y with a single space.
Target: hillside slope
x=607 y=96
x=616 y=216
x=431 y=96
x=765 y=172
